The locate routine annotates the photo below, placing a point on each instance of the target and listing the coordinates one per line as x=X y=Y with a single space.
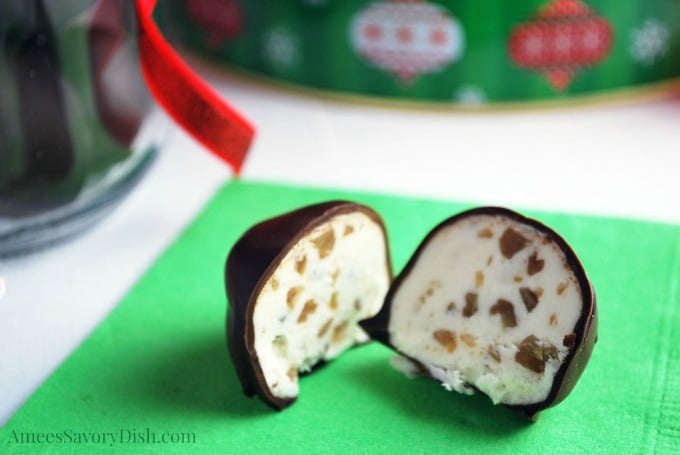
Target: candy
x=494 y=302
x=297 y=286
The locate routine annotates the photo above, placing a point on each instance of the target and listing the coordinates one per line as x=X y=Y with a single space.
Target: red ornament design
x=562 y=38
x=407 y=37
x=221 y=20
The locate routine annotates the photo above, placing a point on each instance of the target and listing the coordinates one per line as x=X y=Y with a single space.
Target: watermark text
x=120 y=436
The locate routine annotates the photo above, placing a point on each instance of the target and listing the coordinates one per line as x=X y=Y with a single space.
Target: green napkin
x=158 y=366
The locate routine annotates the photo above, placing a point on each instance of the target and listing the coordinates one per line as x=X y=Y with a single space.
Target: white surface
x=617 y=160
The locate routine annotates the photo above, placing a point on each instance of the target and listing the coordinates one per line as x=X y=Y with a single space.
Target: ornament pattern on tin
x=407 y=38
x=221 y=20
x=470 y=95
x=281 y=48
x=562 y=38
x=649 y=42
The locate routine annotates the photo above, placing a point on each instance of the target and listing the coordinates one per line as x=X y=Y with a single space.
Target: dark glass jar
x=74 y=116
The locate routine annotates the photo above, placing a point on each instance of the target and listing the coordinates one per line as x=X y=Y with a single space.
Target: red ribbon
x=189 y=100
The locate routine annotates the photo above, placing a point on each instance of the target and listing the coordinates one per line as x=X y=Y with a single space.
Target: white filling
x=428 y=321
x=308 y=310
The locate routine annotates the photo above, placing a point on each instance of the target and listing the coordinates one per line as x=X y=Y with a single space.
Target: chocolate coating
x=252 y=261
x=580 y=343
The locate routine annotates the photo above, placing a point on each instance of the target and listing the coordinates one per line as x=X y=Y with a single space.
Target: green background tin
x=318 y=44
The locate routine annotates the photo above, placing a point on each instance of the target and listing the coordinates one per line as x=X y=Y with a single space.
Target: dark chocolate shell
x=297 y=286
x=494 y=302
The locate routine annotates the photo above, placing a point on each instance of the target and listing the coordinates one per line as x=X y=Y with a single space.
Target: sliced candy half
x=495 y=302
x=297 y=286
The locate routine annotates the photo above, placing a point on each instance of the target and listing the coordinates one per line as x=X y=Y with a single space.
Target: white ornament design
x=649 y=42
x=470 y=95
x=281 y=48
x=407 y=38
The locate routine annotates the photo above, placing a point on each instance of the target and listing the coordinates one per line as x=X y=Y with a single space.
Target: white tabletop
x=620 y=160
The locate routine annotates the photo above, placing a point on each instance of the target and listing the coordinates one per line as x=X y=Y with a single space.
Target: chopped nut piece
x=468 y=339
x=533 y=354
x=511 y=242
x=301 y=265
x=275 y=284
x=451 y=306
x=357 y=304
x=507 y=312
x=561 y=288
x=479 y=279
x=339 y=331
x=539 y=292
x=493 y=352
x=325 y=242
x=333 y=303
x=489 y=260
x=534 y=265
x=446 y=338
x=485 y=233
x=292 y=296
x=553 y=319
x=280 y=341
x=518 y=279
x=292 y=374
x=470 y=304
x=348 y=230
x=529 y=298
x=324 y=328
x=309 y=308
x=569 y=340
x=334 y=276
